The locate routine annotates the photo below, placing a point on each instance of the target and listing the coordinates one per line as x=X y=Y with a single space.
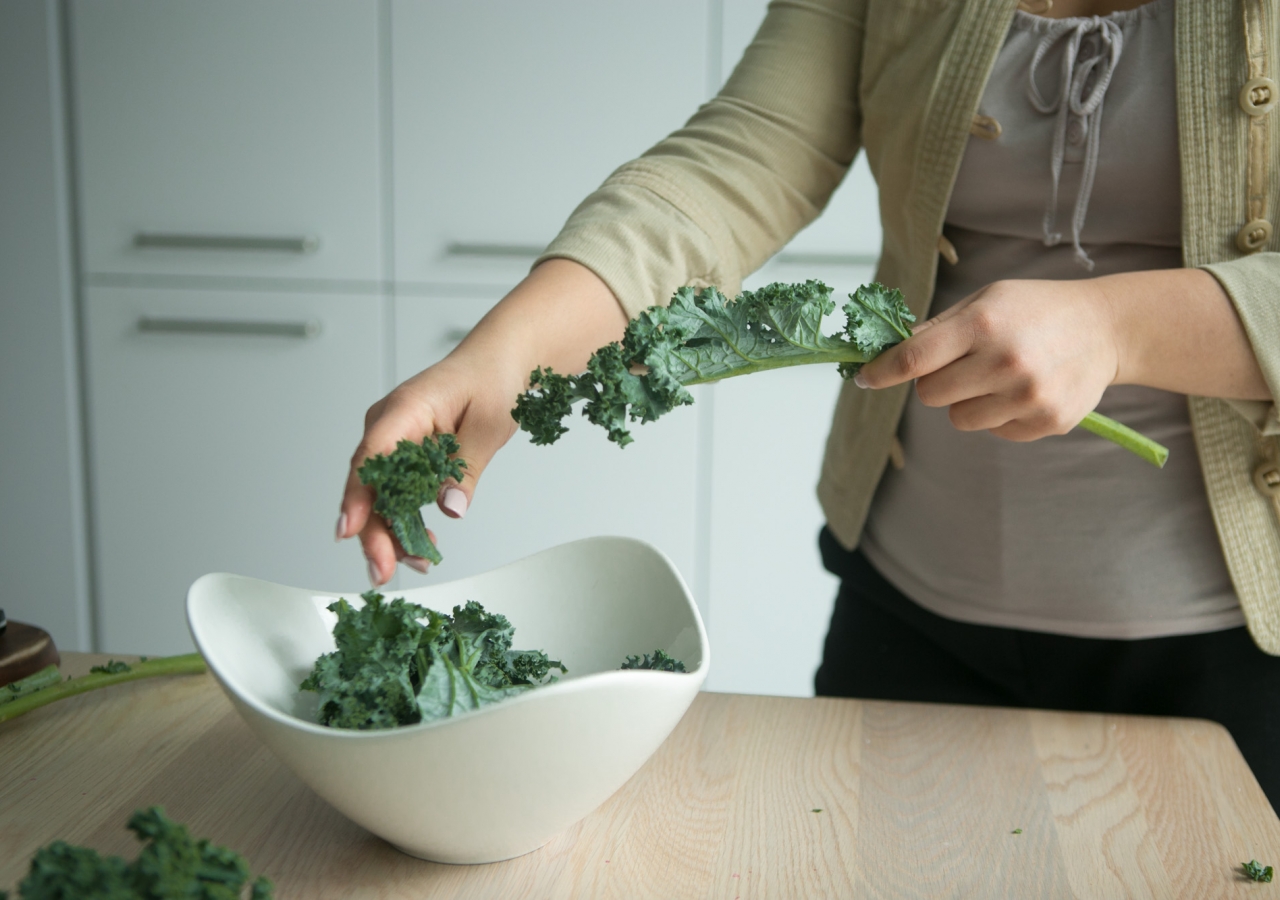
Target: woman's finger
x=966 y=378
x=480 y=436
x=984 y=413
x=379 y=549
x=417 y=563
x=943 y=342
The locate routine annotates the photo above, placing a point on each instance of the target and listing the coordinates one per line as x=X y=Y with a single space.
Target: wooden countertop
x=751 y=797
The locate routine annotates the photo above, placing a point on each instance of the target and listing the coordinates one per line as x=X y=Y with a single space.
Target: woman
x=1099 y=185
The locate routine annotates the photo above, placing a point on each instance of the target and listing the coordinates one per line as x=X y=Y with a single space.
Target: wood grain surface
x=751 y=797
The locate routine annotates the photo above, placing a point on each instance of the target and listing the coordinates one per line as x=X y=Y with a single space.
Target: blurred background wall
x=226 y=229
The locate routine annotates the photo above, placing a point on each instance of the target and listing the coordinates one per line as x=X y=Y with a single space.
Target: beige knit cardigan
x=901 y=80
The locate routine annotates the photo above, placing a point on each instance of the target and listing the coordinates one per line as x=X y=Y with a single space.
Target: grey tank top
x=1069 y=534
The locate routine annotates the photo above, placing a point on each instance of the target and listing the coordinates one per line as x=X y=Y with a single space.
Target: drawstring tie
x=1093 y=49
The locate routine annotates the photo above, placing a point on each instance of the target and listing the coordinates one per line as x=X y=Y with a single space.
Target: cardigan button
x=947 y=250
x=1255 y=235
x=1259 y=96
x=985 y=127
x=1266 y=478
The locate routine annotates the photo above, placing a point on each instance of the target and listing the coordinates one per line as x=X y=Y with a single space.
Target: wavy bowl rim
x=576 y=684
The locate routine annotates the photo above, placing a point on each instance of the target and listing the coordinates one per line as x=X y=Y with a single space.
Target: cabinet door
x=848 y=231
x=234 y=137
x=507 y=113
x=221 y=427
x=530 y=498
x=770 y=598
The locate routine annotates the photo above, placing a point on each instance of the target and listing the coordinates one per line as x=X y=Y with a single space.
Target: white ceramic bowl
x=505 y=779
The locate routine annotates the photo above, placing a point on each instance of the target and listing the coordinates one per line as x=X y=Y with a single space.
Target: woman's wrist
x=1177 y=330
x=559 y=315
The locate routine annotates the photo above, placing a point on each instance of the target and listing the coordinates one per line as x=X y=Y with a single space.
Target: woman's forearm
x=557 y=316
x=1177 y=330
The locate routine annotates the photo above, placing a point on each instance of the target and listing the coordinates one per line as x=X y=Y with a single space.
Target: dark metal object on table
x=24 y=649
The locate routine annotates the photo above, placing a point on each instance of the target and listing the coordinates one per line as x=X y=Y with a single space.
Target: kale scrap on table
x=170 y=864
x=1254 y=871
x=392 y=668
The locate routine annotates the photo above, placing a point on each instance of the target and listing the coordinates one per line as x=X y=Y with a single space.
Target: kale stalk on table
x=703 y=337
x=47 y=685
x=170 y=864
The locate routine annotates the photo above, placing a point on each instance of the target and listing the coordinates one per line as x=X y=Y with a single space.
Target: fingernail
x=416 y=563
x=340 y=531
x=860 y=381
x=455 y=501
x=373 y=574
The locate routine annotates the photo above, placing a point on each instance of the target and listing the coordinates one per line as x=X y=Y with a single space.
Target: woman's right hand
x=459 y=395
x=558 y=316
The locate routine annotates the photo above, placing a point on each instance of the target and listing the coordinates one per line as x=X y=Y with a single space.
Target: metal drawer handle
x=828 y=259
x=159 y=325
x=494 y=251
x=162 y=240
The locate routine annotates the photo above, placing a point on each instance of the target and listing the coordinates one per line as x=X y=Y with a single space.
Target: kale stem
x=1126 y=437
x=764 y=364
x=187 y=664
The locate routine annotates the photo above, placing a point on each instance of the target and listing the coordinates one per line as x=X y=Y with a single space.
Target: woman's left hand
x=1021 y=359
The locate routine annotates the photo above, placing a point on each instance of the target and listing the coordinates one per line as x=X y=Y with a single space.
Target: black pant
x=883 y=646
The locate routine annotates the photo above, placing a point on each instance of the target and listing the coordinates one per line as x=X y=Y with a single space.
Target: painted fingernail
x=374 y=578
x=340 y=531
x=860 y=381
x=455 y=501
x=417 y=563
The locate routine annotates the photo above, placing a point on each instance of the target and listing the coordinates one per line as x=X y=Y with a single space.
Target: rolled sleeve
x=1253 y=284
x=713 y=201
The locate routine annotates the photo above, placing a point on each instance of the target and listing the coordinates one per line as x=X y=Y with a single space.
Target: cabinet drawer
x=532 y=497
x=507 y=113
x=234 y=137
x=221 y=425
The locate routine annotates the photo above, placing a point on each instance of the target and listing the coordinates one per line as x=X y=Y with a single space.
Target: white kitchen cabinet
x=221 y=426
x=228 y=138
x=43 y=538
x=507 y=113
x=532 y=497
x=770 y=598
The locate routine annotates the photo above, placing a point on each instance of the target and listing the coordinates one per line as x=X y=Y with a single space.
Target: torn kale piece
x=407 y=480
x=658 y=660
x=170 y=864
x=398 y=663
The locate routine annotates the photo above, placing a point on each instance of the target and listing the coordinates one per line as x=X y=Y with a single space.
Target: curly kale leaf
x=658 y=660
x=390 y=668
x=369 y=680
x=702 y=337
x=407 y=480
x=876 y=319
x=1254 y=871
x=170 y=864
